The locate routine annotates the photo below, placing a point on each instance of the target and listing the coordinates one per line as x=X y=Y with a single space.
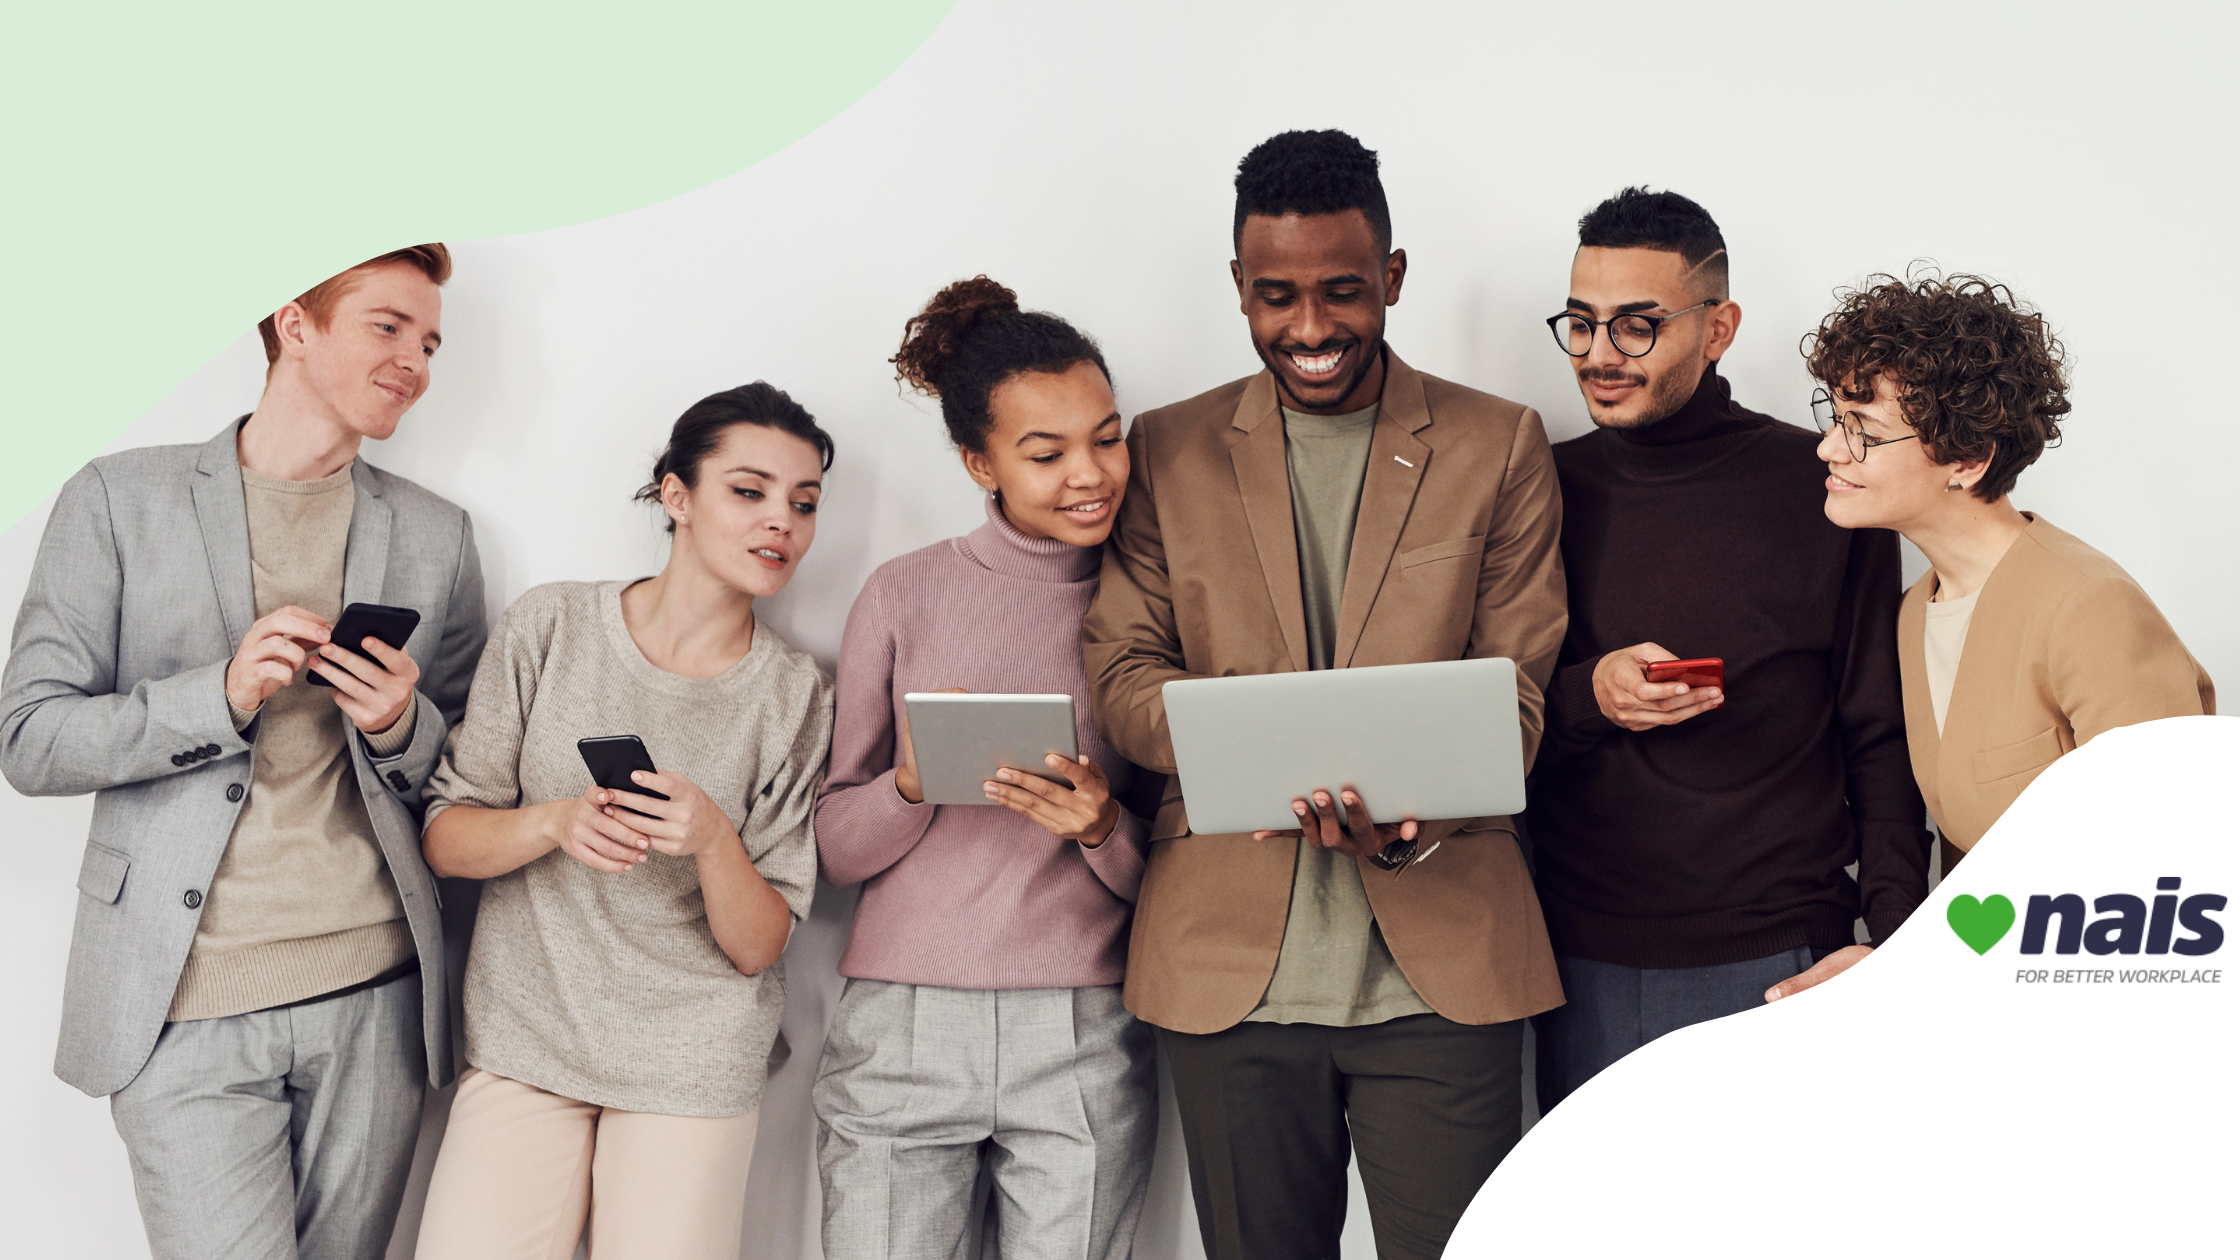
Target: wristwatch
x=1398 y=856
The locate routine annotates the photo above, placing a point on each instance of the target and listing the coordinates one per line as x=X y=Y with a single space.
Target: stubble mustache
x=1611 y=376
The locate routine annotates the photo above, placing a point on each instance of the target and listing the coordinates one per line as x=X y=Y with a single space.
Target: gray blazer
x=115 y=685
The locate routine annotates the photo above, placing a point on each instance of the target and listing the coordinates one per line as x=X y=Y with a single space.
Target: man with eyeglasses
x=1691 y=843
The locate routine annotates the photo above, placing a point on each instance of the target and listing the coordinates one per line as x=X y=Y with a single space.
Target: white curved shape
x=1926 y=1101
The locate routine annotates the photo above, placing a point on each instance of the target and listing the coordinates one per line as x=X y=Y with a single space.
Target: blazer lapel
x=223 y=513
x=365 y=564
x=1397 y=458
x=1264 y=484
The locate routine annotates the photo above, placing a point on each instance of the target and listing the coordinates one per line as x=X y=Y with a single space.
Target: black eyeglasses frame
x=1656 y=325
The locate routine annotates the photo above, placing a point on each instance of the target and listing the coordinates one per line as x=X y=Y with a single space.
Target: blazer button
x=211 y=750
x=178 y=759
x=233 y=791
x=193 y=899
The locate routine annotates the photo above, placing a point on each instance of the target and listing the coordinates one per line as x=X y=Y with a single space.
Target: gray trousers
x=1054 y=1090
x=1610 y=1011
x=279 y=1134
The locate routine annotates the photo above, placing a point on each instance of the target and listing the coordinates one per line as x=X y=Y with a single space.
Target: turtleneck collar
x=1709 y=412
x=999 y=547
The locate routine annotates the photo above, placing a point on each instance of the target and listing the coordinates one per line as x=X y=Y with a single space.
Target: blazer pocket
x=2034 y=753
x=1451 y=549
x=101 y=875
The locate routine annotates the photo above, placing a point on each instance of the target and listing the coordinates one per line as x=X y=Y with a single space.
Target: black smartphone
x=611 y=758
x=360 y=622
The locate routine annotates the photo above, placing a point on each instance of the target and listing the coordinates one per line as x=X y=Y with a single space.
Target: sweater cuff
x=1893 y=875
x=864 y=829
x=1118 y=862
x=1127 y=830
x=1884 y=917
x=1572 y=696
x=241 y=717
x=390 y=742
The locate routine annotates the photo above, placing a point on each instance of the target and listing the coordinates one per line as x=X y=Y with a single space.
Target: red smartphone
x=1704 y=671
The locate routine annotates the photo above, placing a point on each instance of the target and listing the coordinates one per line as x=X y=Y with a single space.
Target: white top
x=1943 y=635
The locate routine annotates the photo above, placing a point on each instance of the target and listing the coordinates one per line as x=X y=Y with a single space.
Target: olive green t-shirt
x=1334 y=967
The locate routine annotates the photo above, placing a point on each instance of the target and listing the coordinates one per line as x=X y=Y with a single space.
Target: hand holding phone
x=1628 y=695
x=1703 y=671
x=611 y=759
x=364 y=661
x=275 y=647
x=359 y=622
x=690 y=823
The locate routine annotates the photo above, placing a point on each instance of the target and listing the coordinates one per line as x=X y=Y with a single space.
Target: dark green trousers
x=1427 y=1106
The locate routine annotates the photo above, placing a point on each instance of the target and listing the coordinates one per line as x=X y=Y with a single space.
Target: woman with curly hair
x=2021 y=642
x=981 y=1028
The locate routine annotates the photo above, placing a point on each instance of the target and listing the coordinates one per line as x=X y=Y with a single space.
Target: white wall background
x=1083 y=156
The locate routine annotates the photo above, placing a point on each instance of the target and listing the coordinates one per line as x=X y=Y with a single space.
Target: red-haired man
x=256 y=977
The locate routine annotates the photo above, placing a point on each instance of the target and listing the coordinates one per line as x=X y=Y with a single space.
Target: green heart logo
x=1980 y=923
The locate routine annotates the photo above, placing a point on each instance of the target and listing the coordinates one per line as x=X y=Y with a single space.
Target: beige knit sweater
x=611 y=989
x=302 y=903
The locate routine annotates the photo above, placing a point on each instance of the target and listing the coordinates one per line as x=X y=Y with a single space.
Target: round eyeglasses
x=1857 y=439
x=1633 y=335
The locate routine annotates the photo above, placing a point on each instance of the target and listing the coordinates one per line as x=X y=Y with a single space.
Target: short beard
x=1666 y=397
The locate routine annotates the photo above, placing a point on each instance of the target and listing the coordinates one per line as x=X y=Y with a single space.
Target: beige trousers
x=521 y=1170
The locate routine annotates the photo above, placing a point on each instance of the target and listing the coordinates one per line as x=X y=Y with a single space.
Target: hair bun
x=931 y=337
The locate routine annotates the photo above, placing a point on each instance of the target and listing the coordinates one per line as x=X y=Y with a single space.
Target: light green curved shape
x=173 y=172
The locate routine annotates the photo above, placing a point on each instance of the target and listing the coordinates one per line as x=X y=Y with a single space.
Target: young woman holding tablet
x=2021 y=642
x=623 y=991
x=982 y=1022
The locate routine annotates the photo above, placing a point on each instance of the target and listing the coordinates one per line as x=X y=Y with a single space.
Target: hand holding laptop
x=1434 y=740
x=1344 y=824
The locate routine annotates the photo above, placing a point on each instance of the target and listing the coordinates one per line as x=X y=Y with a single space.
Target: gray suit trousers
x=279 y=1134
x=1055 y=1089
x=1610 y=1011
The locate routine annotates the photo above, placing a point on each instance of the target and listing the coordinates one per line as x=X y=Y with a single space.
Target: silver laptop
x=1430 y=741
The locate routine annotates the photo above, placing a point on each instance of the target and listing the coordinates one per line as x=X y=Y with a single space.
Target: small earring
x=1954 y=486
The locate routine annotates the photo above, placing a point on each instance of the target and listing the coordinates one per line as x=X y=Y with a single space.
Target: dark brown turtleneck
x=1725 y=837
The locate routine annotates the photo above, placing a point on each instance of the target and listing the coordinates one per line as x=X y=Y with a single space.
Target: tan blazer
x=2062 y=646
x=1454 y=556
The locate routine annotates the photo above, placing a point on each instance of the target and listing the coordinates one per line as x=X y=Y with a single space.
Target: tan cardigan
x=1454 y=555
x=2062 y=646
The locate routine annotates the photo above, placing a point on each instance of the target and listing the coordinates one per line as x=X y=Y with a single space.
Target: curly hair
x=1310 y=173
x=973 y=337
x=1977 y=372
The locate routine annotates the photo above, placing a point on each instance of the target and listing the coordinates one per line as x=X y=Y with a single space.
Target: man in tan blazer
x=1337 y=509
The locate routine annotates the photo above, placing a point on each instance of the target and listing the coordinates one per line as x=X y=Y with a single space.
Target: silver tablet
x=1437 y=740
x=962 y=740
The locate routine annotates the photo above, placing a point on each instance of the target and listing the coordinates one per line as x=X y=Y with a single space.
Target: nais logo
x=2126 y=925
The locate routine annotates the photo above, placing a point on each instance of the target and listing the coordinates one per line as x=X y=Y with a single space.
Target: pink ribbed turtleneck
x=970 y=896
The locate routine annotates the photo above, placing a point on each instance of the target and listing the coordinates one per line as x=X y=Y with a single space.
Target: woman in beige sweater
x=2021 y=642
x=623 y=991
